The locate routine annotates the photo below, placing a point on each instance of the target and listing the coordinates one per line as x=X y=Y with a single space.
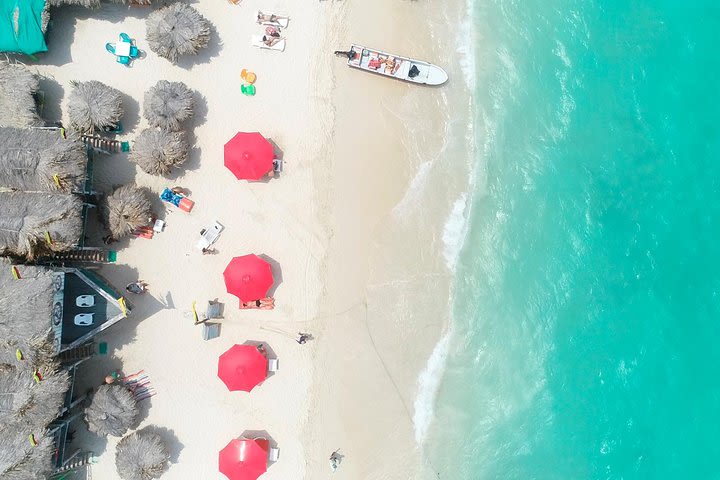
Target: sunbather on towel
x=272 y=32
x=270 y=41
x=268 y=17
x=267 y=303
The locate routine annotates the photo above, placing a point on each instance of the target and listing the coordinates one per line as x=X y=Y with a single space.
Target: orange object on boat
x=186 y=204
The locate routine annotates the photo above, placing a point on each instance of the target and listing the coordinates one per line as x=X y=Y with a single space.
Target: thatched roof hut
x=127 y=209
x=176 y=30
x=113 y=411
x=168 y=104
x=17 y=101
x=142 y=455
x=159 y=151
x=30 y=219
x=26 y=408
x=94 y=106
x=25 y=322
x=34 y=160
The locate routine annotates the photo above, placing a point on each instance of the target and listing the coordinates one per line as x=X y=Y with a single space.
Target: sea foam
x=454 y=232
x=428 y=384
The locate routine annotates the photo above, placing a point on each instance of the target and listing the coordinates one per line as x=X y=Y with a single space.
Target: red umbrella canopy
x=244 y=459
x=249 y=156
x=242 y=367
x=248 y=277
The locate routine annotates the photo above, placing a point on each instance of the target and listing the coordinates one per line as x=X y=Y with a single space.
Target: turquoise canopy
x=21 y=26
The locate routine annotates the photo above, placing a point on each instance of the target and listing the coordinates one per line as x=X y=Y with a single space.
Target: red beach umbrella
x=248 y=277
x=244 y=459
x=242 y=367
x=249 y=156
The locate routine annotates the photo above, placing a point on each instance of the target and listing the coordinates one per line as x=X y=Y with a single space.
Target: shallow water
x=585 y=310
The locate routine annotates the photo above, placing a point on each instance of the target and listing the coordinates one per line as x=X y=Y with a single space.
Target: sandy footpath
x=278 y=219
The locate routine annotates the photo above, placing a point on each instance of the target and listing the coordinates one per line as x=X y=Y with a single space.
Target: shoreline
x=385 y=315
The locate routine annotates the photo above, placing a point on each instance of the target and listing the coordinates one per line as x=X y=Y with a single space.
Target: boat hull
x=396 y=66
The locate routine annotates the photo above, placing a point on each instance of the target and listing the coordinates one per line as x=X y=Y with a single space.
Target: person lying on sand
x=270 y=41
x=269 y=17
x=267 y=303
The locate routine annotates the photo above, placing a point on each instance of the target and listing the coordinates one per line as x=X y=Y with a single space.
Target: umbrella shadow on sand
x=260 y=435
x=269 y=353
x=276 y=272
x=171 y=440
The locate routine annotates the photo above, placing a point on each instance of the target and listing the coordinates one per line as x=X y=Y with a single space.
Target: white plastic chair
x=83 y=319
x=273 y=364
x=85 y=300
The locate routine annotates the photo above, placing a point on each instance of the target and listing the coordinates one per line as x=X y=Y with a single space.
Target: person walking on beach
x=303 y=338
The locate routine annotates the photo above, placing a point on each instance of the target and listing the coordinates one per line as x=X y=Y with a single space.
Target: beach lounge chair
x=134 y=52
x=214 y=310
x=257 y=41
x=85 y=300
x=273 y=364
x=210 y=331
x=123 y=60
x=125 y=38
x=209 y=235
x=110 y=47
x=273 y=455
x=83 y=319
x=277 y=165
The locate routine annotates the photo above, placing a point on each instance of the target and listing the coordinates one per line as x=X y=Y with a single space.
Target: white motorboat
x=394 y=66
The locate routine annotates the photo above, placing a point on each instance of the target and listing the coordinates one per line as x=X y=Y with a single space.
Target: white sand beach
x=344 y=271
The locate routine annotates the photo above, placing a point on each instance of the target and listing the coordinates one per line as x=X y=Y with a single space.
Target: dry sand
x=346 y=273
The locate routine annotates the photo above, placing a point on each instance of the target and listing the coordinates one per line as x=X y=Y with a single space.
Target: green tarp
x=21 y=26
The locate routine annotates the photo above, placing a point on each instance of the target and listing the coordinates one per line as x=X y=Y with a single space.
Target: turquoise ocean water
x=586 y=316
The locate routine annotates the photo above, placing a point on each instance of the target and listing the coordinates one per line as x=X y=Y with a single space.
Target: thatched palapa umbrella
x=168 y=104
x=158 y=151
x=94 y=106
x=34 y=160
x=127 y=209
x=142 y=455
x=176 y=30
x=29 y=219
x=113 y=411
x=17 y=103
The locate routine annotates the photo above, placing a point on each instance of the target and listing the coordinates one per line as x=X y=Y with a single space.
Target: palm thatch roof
x=176 y=30
x=94 y=106
x=29 y=218
x=113 y=411
x=26 y=409
x=168 y=104
x=19 y=460
x=127 y=209
x=141 y=455
x=17 y=103
x=27 y=321
x=41 y=161
x=158 y=151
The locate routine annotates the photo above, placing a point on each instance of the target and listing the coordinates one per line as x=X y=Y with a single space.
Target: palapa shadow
x=52 y=95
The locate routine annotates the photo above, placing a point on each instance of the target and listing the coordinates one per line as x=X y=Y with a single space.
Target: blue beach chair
x=125 y=38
